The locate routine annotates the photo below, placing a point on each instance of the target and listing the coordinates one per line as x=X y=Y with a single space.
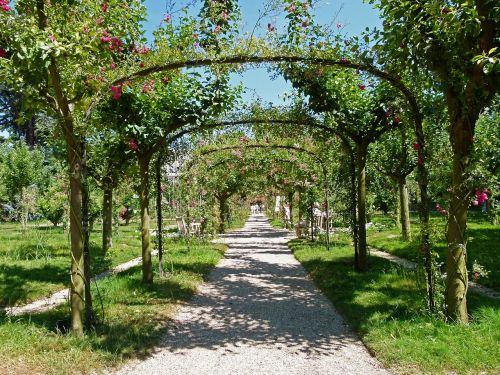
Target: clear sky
x=355 y=15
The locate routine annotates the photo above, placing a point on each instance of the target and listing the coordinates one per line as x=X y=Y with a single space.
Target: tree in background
x=23 y=168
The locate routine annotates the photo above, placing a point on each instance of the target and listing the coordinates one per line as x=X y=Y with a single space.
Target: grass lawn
x=35 y=262
x=135 y=316
x=239 y=217
x=483 y=243
x=384 y=305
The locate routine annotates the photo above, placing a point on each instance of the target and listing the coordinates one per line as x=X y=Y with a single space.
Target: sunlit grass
x=483 y=243
x=134 y=319
x=385 y=306
x=35 y=262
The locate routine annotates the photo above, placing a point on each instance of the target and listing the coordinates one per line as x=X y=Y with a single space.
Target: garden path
x=259 y=313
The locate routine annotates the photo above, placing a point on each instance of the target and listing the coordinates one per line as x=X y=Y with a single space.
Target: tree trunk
x=327 y=213
x=361 y=152
x=159 y=214
x=89 y=311
x=424 y=207
x=74 y=156
x=300 y=207
x=404 y=210
x=107 y=218
x=147 y=265
x=23 y=215
x=77 y=236
x=311 y=213
x=290 y=205
x=222 y=214
x=456 y=267
x=354 y=201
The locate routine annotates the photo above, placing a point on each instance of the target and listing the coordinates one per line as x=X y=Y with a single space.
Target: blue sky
x=353 y=14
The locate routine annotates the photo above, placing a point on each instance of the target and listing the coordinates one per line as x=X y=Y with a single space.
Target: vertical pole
x=159 y=213
x=89 y=319
x=327 y=212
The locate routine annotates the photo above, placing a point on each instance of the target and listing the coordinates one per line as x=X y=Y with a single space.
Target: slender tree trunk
x=290 y=204
x=89 y=312
x=159 y=213
x=300 y=207
x=327 y=215
x=456 y=267
x=147 y=265
x=222 y=214
x=311 y=212
x=30 y=132
x=361 y=193
x=397 y=211
x=404 y=209
x=23 y=209
x=77 y=236
x=107 y=218
x=354 y=200
x=74 y=156
x=424 y=207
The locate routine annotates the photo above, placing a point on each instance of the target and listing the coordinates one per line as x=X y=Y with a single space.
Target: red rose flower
x=117 y=92
x=133 y=145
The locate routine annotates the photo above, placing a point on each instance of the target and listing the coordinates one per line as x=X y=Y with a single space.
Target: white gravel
x=258 y=314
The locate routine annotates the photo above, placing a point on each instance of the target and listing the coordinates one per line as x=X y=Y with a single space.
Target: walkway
x=259 y=313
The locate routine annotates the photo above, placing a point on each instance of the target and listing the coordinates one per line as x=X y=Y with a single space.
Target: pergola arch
x=285 y=147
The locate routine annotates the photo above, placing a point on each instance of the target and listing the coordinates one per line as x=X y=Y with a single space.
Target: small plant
x=478 y=271
x=36 y=249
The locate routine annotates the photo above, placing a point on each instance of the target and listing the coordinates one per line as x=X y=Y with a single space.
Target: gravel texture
x=259 y=313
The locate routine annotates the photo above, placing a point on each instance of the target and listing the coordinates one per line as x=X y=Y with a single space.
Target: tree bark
x=456 y=267
x=300 y=207
x=361 y=152
x=89 y=311
x=107 y=218
x=404 y=209
x=159 y=214
x=424 y=206
x=23 y=209
x=147 y=265
x=77 y=236
x=290 y=205
x=222 y=214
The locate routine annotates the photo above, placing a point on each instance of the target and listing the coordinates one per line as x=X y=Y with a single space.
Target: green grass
x=384 y=305
x=35 y=262
x=135 y=317
x=277 y=223
x=482 y=246
x=239 y=217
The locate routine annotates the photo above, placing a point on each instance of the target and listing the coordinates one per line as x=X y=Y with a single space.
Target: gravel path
x=259 y=313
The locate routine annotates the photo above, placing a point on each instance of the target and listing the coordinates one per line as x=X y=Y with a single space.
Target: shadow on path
x=259 y=313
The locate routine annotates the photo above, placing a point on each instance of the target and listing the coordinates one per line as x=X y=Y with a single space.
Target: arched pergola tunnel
x=394 y=80
x=298 y=149
x=254 y=158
